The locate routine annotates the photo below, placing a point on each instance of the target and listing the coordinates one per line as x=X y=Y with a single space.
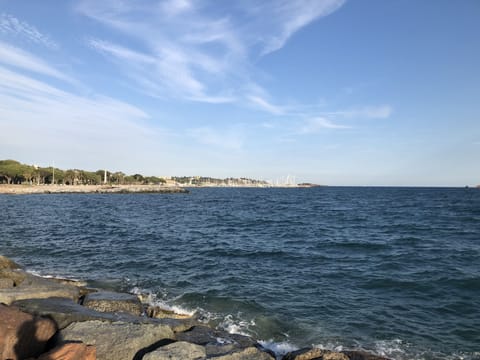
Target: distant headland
x=18 y=178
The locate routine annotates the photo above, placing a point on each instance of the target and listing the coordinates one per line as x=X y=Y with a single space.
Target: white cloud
x=10 y=25
x=38 y=118
x=263 y=104
x=176 y=7
x=289 y=16
x=13 y=56
x=368 y=112
x=230 y=139
x=316 y=125
x=199 y=51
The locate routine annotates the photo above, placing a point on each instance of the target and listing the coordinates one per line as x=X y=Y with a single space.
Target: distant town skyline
x=330 y=91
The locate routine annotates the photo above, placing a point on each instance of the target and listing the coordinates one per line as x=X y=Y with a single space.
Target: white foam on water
x=279 y=348
x=237 y=325
x=391 y=348
x=48 y=276
x=152 y=299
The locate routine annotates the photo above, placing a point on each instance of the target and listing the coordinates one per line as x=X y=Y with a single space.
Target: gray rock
x=33 y=287
x=65 y=312
x=107 y=301
x=216 y=342
x=179 y=350
x=119 y=340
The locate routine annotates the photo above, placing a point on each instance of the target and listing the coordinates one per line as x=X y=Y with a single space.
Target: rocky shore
x=59 y=319
x=89 y=189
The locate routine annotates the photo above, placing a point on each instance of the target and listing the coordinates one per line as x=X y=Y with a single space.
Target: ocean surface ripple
x=391 y=270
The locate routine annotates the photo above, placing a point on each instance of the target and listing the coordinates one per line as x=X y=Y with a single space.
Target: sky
x=335 y=92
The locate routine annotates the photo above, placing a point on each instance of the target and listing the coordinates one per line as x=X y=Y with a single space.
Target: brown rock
x=16 y=276
x=159 y=313
x=107 y=301
x=23 y=335
x=251 y=353
x=71 y=351
x=6 y=263
x=314 y=354
x=6 y=283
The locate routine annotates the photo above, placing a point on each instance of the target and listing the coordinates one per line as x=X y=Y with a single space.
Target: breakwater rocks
x=53 y=319
x=90 y=189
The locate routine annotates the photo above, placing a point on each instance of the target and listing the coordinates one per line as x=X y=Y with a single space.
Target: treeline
x=13 y=172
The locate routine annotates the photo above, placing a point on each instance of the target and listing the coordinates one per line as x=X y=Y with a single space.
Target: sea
x=394 y=271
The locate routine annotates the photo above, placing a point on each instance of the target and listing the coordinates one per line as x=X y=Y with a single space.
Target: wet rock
x=159 y=313
x=6 y=263
x=362 y=355
x=23 y=335
x=71 y=351
x=107 y=301
x=178 y=350
x=216 y=342
x=118 y=340
x=314 y=354
x=33 y=287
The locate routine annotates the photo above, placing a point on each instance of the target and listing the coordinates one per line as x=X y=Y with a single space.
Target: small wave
x=279 y=348
x=152 y=299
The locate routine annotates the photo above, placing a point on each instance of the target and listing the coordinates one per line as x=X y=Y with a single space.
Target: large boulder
x=217 y=342
x=178 y=350
x=70 y=351
x=23 y=335
x=314 y=354
x=6 y=263
x=108 y=301
x=119 y=340
x=251 y=353
x=320 y=354
x=65 y=312
x=28 y=286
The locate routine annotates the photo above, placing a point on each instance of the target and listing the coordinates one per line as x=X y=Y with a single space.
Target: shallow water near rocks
x=391 y=270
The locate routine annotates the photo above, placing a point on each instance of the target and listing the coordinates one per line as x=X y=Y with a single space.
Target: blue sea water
x=391 y=270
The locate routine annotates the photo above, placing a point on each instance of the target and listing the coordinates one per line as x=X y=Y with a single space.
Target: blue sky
x=335 y=92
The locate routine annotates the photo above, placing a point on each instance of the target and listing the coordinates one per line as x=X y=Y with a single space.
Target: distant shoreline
x=89 y=189
x=16 y=189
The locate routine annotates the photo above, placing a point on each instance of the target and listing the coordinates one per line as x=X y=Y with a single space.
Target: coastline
x=89 y=189
x=62 y=316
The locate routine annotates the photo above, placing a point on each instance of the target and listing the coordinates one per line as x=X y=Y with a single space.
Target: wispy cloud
x=199 y=51
x=291 y=16
x=10 y=25
x=18 y=58
x=368 y=112
x=263 y=104
x=230 y=139
x=315 y=125
x=39 y=118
